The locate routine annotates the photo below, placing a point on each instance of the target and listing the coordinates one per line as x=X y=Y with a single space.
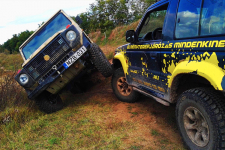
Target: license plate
x=74 y=57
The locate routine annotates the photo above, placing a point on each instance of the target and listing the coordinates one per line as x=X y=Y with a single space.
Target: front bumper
x=55 y=82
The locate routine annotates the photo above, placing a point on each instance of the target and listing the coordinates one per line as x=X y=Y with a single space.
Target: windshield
x=57 y=24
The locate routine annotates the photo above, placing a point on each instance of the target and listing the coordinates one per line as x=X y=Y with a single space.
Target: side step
x=149 y=95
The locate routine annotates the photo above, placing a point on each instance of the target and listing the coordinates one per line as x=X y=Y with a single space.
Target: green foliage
x=107 y=14
x=53 y=141
x=14 y=43
x=1 y=48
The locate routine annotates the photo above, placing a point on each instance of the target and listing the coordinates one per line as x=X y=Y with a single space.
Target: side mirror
x=78 y=20
x=131 y=36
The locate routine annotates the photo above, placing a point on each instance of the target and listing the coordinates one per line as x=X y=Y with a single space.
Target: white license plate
x=74 y=57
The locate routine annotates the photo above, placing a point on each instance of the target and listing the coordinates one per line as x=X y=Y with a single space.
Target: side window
x=188 y=15
x=153 y=21
x=213 y=17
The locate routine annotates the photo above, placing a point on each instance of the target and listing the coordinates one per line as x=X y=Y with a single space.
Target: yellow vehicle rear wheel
x=200 y=114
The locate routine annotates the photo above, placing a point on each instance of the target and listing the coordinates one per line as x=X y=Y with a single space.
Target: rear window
x=200 y=18
x=213 y=17
x=188 y=18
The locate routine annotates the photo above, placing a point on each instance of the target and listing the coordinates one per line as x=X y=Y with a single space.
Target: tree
x=14 y=43
x=138 y=8
x=122 y=13
x=1 y=48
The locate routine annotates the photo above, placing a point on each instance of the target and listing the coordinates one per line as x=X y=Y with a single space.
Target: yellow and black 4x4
x=56 y=54
x=177 y=55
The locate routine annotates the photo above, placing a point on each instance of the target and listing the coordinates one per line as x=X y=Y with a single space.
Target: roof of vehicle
x=157 y=4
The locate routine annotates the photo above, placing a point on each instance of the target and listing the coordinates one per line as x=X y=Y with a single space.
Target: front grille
x=55 y=50
x=57 y=65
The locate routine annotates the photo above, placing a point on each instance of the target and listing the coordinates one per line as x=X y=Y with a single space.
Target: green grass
x=154 y=132
x=53 y=141
x=113 y=37
x=135 y=147
x=87 y=122
x=110 y=55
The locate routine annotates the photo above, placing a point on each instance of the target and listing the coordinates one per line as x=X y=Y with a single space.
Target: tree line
x=103 y=14
x=12 y=45
x=107 y=14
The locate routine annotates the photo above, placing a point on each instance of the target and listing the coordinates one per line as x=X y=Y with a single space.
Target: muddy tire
x=201 y=119
x=100 y=61
x=122 y=90
x=49 y=103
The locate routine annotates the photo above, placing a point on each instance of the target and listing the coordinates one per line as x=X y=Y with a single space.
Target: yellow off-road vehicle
x=177 y=55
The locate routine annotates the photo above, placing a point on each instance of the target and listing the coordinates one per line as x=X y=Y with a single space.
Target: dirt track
x=155 y=124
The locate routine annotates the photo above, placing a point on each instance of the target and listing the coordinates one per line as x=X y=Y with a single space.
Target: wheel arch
x=209 y=71
x=120 y=60
x=185 y=81
x=192 y=74
x=116 y=64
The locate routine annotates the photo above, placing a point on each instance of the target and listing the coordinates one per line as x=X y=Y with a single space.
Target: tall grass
x=11 y=94
x=15 y=107
x=10 y=61
x=113 y=37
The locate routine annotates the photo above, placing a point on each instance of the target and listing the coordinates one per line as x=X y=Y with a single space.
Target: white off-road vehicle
x=56 y=54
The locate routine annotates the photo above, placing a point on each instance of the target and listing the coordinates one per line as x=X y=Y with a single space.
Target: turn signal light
x=67 y=26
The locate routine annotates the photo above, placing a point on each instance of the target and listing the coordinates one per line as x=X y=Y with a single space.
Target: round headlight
x=24 y=79
x=71 y=35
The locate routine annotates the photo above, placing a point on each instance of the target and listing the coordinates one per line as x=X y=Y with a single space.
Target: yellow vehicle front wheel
x=123 y=91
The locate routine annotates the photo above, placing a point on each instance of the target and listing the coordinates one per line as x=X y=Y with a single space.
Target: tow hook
x=55 y=68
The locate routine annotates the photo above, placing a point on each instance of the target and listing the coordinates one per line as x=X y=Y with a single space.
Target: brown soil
x=147 y=116
x=107 y=49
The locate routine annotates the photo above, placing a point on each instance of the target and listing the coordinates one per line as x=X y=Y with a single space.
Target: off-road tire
x=131 y=97
x=207 y=105
x=100 y=61
x=49 y=103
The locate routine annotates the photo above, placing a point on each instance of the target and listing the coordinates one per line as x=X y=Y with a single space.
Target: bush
x=15 y=107
x=11 y=94
x=10 y=61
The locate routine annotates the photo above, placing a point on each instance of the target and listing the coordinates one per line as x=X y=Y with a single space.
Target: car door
x=144 y=56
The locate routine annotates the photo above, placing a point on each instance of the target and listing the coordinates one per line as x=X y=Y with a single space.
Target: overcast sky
x=17 y=16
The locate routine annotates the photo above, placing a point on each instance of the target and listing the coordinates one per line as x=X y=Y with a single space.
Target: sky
x=17 y=16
